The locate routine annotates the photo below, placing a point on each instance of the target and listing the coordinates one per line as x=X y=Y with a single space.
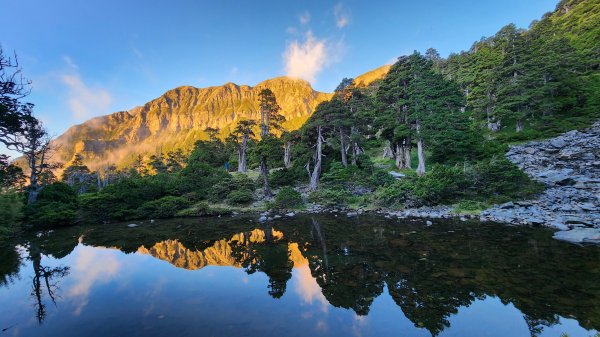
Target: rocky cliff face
x=569 y=166
x=177 y=119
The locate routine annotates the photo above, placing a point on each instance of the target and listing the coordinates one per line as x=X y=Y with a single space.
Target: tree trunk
x=343 y=148
x=355 y=153
x=264 y=171
x=399 y=156
x=316 y=172
x=287 y=154
x=421 y=167
x=242 y=154
x=387 y=150
x=406 y=148
x=520 y=126
x=34 y=188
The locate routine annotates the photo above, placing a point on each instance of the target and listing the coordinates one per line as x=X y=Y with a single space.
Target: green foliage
x=164 y=207
x=492 y=181
x=240 y=197
x=56 y=206
x=288 y=198
x=283 y=177
x=11 y=205
x=331 y=197
x=237 y=182
x=202 y=209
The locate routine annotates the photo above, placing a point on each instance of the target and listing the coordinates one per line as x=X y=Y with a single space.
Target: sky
x=91 y=58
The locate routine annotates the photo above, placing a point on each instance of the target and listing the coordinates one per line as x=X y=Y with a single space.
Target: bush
x=201 y=209
x=164 y=207
x=330 y=197
x=11 y=205
x=238 y=182
x=282 y=177
x=240 y=197
x=56 y=205
x=288 y=198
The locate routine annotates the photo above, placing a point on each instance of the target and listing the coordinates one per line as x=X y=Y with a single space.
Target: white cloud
x=342 y=16
x=84 y=101
x=304 y=18
x=308 y=58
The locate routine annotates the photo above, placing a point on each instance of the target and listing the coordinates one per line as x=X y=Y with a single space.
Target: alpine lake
x=300 y=276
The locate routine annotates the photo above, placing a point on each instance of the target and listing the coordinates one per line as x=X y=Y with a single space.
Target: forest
x=433 y=131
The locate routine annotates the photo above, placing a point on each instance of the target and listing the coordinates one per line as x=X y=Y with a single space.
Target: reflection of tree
x=44 y=277
x=10 y=263
x=270 y=257
x=430 y=273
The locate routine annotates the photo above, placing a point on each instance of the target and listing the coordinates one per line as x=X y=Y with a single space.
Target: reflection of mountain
x=221 y=253
x=429 y=273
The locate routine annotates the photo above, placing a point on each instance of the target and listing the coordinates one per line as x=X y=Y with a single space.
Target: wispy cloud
x=306 y=59
x=304 y=18
x=83 y=100
x=342 y=15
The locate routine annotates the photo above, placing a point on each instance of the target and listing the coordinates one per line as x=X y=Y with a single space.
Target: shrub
x=238 y=182
x=240 y=197
x=282 y=177
x=56 y=205
x=11 y=205
x=201 y=209
x=288 y=198
x=330 y=197
x=164 y=207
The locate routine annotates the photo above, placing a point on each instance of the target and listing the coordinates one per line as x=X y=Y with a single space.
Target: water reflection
x=433 y=276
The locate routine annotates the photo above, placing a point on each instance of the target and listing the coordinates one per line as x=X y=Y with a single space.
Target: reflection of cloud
x=306 y=286
x=93 y=265
x=304 y=17
x=358 y=324
x=342 y=17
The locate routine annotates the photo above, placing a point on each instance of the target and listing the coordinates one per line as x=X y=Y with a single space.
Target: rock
x=352 y=214
x=428 y=223
x=290 y=214
x=397 y=175
x=569 y=166
x=262 y=218
x=579 y=235
x=277 y=216
x=132 y=225
x=558 y=143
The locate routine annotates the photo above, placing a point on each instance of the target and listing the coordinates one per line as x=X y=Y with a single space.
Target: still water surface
x=317 y=276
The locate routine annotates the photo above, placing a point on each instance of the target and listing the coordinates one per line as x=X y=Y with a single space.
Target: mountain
x=178 y=117
x=369 y=77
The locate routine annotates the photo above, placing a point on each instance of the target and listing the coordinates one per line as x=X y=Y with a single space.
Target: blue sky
x=90 y=58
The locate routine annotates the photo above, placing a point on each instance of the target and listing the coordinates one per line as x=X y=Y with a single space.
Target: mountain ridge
x=177 y=119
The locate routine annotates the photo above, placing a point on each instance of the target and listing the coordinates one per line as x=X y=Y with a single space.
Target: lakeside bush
x=288 y=198
x=165 y=207
x=239 y=197
x=56 y=205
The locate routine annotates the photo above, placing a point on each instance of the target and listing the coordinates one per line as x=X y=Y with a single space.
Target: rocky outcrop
x=178 y=118
x=569 y=166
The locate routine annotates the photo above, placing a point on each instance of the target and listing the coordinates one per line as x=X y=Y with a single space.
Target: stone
x=397 y=175
x=132 y=225
x=428 y=223
x=352 y=214
x=290 y=214
x=262 y=218
x=579 y=235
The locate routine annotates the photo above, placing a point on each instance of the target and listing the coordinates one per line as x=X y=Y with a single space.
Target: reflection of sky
x=109 y=293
